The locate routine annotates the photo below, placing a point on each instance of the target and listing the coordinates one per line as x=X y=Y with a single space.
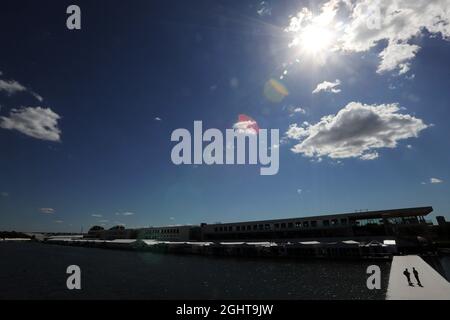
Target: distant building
x=170 y=233
x=407 y=223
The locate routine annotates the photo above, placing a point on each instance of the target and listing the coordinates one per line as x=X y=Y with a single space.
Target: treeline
x=13 y=234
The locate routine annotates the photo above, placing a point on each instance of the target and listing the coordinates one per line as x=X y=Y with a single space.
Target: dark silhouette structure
x=408 y=276
x=416 y=275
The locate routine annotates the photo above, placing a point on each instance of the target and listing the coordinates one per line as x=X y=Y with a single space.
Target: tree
x=96 y=228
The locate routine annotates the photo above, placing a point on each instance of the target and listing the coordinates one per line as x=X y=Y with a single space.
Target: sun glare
x=315 y=39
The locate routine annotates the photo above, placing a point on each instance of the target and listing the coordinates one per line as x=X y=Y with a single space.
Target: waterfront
x=38 y=271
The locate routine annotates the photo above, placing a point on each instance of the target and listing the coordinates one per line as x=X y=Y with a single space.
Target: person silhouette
x=416 y=275
x=408 y=276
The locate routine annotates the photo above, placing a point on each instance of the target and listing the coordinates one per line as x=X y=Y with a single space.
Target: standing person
x=408 y=276
x=416 y=275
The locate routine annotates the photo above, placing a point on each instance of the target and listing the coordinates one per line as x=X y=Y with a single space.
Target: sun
x=315 y=39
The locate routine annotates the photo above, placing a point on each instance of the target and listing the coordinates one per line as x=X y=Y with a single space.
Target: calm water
x=37 y=271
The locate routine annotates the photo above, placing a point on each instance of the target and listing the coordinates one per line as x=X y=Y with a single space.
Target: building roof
x=404 y=212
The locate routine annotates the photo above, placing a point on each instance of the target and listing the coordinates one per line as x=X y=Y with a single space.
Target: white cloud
x=299 y=191
x=369 y=156
x=124 y=213
x=11 y=87
x=38 y=97
x=296 y=132
x=292 y=110
x=356 y=131
x=47 y=210
x=299 y=110
x=246 y=127
x=36 y=122
x=360 y=25
x=327 y=86
x=4 y=194
x=59 y=221
x=158 y=119
x=97 y=215
x=397 y=56
x=264 y=9
x=435 y=180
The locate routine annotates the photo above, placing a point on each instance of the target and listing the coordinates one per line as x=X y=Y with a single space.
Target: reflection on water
x=38 y=271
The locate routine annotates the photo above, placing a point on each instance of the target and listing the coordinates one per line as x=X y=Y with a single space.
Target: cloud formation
x=360 y=25
x=356 y=131
x=435 y=180
x=36 y=122
x=327 y=86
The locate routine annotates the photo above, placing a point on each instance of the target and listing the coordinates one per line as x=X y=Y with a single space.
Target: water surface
x=38 y=271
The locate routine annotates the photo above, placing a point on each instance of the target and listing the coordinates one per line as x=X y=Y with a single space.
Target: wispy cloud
x=97 y=215
x=292 y=110
x=36 y=122
x=327 y=86
x=12 y=87
x=125 y=213
x=47 y=210
x=158 y=119
x=436 y=180
x=4 y=194
x=264 y=9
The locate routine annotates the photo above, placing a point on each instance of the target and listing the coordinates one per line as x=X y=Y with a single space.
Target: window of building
x=238 y=228
x=298 y=224
x=290 y=225
x=283 y=226
x=326 y=223
x=305 y=224
x=261 y=227
x=255 y=227
x=343 y=221
x=267 y=226
x=334 y=222
x=277 y=225
x=249 y=227
x=313 y=223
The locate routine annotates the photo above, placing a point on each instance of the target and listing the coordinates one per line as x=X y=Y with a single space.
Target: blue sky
x=86 y=116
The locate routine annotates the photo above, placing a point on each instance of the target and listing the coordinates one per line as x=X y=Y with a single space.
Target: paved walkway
x=435 y=287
